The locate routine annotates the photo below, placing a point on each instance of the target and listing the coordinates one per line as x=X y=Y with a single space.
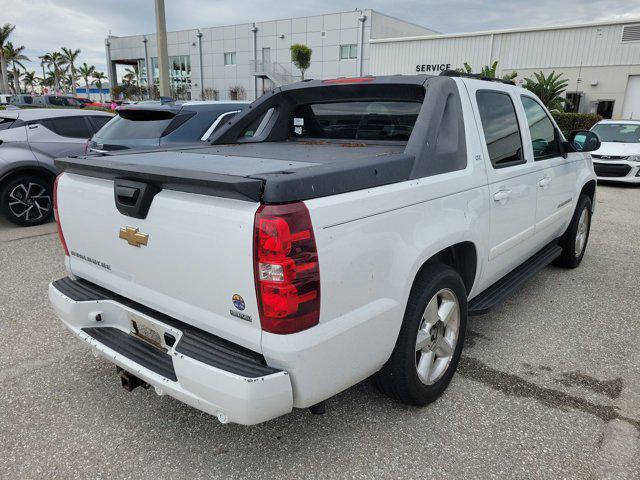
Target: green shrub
x=575 y=121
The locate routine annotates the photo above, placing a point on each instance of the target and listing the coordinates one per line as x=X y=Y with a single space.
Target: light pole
x=163 y=57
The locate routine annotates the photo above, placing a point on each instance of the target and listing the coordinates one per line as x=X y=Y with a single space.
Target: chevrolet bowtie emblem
x=133 y=236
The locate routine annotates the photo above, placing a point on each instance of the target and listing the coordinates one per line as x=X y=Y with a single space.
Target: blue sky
x=45 y=25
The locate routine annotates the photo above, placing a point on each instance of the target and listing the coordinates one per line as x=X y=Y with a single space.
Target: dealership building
x=600 y=61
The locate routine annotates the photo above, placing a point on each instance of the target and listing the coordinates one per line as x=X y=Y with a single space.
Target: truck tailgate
x=196 y=266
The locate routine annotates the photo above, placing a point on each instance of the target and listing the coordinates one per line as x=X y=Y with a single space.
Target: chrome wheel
x=582 y=232
x=29 y=201
x=437 y=336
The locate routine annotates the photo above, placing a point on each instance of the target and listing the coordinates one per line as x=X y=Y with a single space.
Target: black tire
x=27 y=200
x=570 y=257
x=399 y=377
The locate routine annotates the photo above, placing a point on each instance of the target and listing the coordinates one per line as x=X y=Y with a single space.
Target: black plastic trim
x=500 y=290
x=194 y=343
x=183 y=180
x=134 y=349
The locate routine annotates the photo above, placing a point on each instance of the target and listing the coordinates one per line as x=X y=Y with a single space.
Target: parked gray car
x=45 y=101
x=29 y=141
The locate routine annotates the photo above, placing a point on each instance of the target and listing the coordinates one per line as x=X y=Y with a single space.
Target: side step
x=497 y=292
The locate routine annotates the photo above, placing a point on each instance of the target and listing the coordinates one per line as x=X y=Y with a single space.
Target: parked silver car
x=29 y=141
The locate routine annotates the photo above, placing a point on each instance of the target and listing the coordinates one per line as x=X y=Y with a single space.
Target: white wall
x=322 y=33
x=594 y=53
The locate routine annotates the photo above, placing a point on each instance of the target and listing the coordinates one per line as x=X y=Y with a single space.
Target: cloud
x=46 y=25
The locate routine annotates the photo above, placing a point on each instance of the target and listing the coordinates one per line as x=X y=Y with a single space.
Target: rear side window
x=58 y=101
x=73 y=127
x=500 y=126
x=358 y=120
x=124 y=129
x=99 y=122
x=543 y=133
x=6 y=123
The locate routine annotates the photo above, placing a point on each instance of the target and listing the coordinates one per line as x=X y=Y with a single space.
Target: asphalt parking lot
x=549 y=387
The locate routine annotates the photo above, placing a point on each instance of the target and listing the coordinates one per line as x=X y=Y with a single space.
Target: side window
x=99 y=122
x=257 y=127
x=543 y=134
x=73 y=127
x=501 y=130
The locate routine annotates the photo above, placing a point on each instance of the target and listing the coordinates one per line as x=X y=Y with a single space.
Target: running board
x=497 y=292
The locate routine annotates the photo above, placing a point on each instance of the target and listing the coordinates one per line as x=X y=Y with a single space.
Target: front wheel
x=27 y=200
x=430 y=342
x=574 y=241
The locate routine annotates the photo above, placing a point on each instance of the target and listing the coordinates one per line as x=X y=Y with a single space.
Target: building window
x=348 y=51
x=230 y=58
x=179 y=75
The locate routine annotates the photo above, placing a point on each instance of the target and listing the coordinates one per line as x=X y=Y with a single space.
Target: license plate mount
x=147 y=331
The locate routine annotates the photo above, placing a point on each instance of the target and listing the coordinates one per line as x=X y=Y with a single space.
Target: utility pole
x=163 y=57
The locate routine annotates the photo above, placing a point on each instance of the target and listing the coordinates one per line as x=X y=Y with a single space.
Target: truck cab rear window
x=359 y=120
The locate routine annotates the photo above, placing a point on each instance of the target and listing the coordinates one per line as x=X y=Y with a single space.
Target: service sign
x=433 y=67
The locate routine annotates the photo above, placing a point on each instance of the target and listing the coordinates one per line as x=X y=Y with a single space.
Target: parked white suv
x=618 y=158
x=335 y=230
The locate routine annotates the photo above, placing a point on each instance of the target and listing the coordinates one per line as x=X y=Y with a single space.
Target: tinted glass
x=99 y=122
x=123 y=129
x=374 y=120
x=618 y=132
x=501 y=130
x=73 y=127
x=6 y=123
x=543 y=133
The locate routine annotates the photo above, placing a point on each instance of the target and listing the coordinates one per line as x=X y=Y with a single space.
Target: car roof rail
x=475 y=76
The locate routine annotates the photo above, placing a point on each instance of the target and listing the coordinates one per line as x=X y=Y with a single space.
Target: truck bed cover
x=271 y=172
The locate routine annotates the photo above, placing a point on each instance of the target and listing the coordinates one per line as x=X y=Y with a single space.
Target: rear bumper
x=199 y=369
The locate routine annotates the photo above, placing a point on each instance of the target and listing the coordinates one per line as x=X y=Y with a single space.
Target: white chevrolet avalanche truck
x=335 y=230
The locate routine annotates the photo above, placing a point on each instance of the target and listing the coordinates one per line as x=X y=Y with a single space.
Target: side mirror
x=584 y=141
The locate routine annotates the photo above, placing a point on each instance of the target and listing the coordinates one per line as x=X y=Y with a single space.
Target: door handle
x=544 y=183
x=502 y=196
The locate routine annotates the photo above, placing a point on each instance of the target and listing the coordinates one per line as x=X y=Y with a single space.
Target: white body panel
x=371 y=244
x=190 y=268
x=622 y=154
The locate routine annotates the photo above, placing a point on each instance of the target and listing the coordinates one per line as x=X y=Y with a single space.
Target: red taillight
x=286 y=268
x=57 y=216
x=349 y=80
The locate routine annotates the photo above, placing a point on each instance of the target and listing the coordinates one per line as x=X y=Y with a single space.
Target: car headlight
x=634 y=158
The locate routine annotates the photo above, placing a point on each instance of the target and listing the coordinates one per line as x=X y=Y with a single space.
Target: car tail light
x=57 y=215
x=287 y=274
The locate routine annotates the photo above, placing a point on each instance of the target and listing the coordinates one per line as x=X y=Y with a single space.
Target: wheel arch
x=462 y=257
x=26 y=169
x=589 y=189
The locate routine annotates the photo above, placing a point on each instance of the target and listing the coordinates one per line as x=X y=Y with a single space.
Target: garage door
x=631 y=105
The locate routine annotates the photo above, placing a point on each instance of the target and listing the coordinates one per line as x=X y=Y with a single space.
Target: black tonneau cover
x=270 y=172
x=269 y=167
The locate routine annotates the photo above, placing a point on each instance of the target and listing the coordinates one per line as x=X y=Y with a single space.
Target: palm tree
x=548 y=89
x=29 y=79
x=69 y=58
x=85 y=72
x=489 y=71
x=56 y=61
x=5 y=32
x=130 y=76
x=14 y=56
x=98 y=78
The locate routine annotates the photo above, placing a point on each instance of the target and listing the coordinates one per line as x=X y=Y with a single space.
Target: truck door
x=511 y=179
x=555 y=174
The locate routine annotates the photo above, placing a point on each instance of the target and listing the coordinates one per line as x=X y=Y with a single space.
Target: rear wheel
x=430 y=342
x=574 y=241
x=27 y=200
